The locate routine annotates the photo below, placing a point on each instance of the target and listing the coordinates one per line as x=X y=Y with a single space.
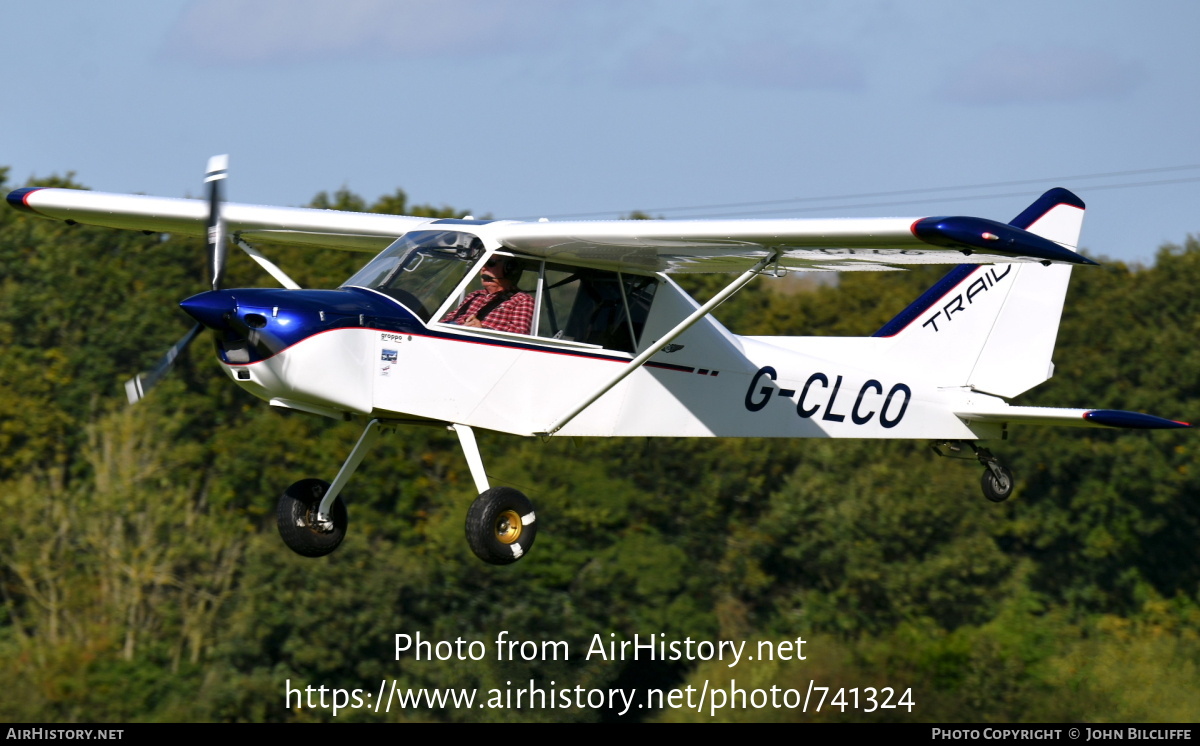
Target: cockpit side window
x=501 y=297
x=508 y=293
x=595 y=306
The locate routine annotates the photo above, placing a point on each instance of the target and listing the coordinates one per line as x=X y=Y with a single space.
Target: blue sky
x=525 y=108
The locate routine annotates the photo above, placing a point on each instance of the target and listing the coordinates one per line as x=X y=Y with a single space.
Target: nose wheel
x=304 y=529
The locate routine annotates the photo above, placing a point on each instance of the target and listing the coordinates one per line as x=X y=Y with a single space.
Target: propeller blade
x=218 y=168
x=137 y=387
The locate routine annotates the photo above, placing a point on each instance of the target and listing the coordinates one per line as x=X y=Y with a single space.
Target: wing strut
x=271 y=268
x=662 y=342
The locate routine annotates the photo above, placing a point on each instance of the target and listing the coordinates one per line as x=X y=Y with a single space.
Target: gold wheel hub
x=508 y=527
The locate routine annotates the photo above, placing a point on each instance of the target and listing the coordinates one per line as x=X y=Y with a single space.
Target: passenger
x=500 y=305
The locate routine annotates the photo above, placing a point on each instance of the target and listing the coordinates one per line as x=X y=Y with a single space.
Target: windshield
x=421 y=268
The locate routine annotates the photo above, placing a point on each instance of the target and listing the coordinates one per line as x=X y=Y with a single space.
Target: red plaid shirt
x=513 y=315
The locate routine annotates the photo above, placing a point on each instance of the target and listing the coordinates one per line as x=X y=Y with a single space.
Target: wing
x=841 y=245
x=350 y=231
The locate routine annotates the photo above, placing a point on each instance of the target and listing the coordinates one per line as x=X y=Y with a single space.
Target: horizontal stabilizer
x=1001 y=413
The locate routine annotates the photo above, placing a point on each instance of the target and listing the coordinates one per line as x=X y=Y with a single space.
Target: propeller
x=218 y=169
x=137 y=387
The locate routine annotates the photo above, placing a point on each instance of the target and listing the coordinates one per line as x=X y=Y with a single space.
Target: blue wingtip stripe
x=979 y=234
x=17 y=199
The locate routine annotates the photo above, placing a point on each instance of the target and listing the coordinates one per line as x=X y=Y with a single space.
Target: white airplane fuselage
x=711 y=383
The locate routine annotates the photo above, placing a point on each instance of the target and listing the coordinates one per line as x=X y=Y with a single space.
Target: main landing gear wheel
x=997 y=482
x=298 y=524
x=501 y=526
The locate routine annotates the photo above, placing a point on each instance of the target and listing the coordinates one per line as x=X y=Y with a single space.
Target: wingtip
x=968 y=234
x=18 y=199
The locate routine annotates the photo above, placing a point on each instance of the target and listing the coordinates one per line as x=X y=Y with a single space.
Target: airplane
x=586 y=333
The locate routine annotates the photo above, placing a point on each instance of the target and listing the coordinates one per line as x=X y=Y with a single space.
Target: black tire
x=997 y=490
x=297 y=514
x=501 y=526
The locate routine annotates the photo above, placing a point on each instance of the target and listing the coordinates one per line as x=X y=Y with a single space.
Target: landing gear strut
x=500 y=524
x=311 y=516
x=997 y=480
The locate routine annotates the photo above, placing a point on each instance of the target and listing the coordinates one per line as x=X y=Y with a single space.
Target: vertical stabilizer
x=993 y=327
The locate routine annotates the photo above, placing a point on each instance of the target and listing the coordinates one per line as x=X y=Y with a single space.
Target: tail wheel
x=299 y=526
x=501 y=526
x=997 y=483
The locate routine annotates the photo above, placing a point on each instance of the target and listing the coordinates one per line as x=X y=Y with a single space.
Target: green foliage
x=395 y=203
x=145 y=579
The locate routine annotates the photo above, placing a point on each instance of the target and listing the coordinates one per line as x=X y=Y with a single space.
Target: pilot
x=500 y=305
